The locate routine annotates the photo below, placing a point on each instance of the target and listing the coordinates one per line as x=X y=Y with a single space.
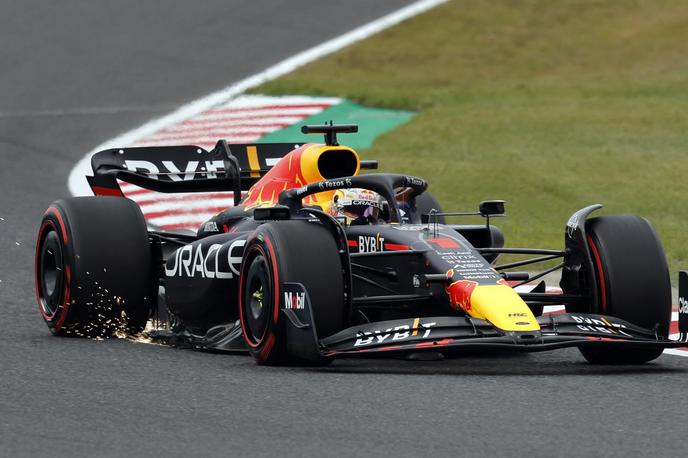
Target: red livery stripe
x=395 y=247
x=445 y=242
x=101 y=191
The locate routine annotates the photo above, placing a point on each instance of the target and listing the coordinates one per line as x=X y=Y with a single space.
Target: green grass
x=550 y=105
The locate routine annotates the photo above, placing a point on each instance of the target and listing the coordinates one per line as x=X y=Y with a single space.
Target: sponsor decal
x=521 y=315
x=295 y=297
x=460 y=293
x=370 y=244
x=410 y=227
x=358 y=197
x=330 y=184
x=363 y=203
x=414 y=181
x=682 y=305
x=395 y=334
x=190 y=261
x=470 y=266
x=600 y=324
x=453 y=258
x=211 y=226
x=572 y=224
x=294 y=300
x=207 y=169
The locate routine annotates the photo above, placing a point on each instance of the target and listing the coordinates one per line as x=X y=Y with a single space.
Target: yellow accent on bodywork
x=503 y=307
x=254 y=164
x=416 y=322
x=310 y=172
x=310 y=156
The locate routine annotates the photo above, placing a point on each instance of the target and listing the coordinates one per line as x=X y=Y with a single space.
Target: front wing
x=450 y=334
x=454 y=334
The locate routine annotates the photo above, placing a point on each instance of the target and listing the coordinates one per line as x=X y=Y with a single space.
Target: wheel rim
x=258 y=299
x=51 y=275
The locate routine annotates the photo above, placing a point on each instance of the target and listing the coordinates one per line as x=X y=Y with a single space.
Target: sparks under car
x=282 y=276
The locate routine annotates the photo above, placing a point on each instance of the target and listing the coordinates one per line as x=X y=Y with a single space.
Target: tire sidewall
x=621 y=282
x=291 y=248
x=425 y=203
x=633 y=284
x=54 y=221
x=109 y=277
x=269 y=348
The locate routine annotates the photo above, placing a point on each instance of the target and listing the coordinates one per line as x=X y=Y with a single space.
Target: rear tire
x=632 y=280
x=427 y=202
x=94 y=272
x=289 y=251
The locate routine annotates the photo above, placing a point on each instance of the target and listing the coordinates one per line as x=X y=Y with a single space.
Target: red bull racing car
x=316 y=261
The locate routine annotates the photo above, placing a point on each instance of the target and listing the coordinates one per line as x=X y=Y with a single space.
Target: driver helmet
x=358 y=206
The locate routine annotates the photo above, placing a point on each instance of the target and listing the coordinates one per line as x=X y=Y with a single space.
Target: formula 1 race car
x=285 y=277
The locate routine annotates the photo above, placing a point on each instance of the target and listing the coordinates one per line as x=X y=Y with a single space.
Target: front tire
x=633 y=283
x=289 y=251
x=93 y=267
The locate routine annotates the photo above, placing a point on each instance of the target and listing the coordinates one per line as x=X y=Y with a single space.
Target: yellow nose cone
x=503 y=307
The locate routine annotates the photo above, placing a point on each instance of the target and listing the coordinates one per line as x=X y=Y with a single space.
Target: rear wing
x=172 y=169
x=190 y=168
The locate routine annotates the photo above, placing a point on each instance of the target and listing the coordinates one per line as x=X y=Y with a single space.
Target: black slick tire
x=425 y=203
x=632 y=280
x=288 y=251
x=93 y=267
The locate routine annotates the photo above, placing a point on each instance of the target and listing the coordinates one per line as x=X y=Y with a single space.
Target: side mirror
x=492 y=208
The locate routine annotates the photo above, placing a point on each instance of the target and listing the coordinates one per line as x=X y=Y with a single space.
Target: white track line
x=675 y=352
x=268 y=123
x=258 y=101
x=77 y=183
x=248 y=114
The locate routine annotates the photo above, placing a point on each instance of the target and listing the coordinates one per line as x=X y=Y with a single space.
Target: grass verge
x=548 y=105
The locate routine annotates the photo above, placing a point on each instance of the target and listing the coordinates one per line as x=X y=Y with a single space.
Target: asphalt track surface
x=77 y=73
